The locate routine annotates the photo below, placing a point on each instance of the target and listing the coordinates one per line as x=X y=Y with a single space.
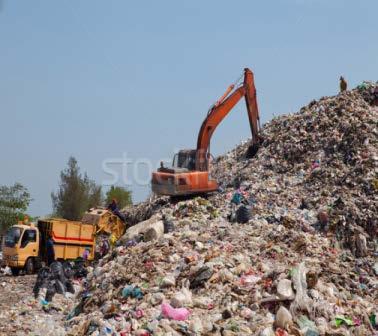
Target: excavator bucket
x=252 y=150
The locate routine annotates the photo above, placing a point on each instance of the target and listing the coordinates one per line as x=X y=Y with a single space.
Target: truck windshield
x=13 y=236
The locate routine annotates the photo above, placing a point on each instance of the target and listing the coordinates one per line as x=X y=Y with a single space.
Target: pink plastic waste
x=177 y=314
x=139 y=313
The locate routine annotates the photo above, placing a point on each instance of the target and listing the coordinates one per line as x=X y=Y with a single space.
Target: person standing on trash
x=113 y=207
x=86 y=254
x=343 y=84
x=104 y=247
x=236 y=200
x=239 y=195
x=50 y=252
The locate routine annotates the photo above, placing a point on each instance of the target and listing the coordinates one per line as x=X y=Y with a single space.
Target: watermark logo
x=129 y=171
x=184 y=169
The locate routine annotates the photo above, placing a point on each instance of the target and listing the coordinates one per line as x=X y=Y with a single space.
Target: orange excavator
x=189 y=173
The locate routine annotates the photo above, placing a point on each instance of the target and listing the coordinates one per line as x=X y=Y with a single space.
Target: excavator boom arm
x=220 y=111
x=252 y=107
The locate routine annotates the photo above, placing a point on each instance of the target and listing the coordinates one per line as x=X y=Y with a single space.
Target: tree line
x=76 y=194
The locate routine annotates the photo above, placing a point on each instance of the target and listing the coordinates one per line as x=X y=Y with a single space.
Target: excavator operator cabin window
x=175 y=163
x=187 y=159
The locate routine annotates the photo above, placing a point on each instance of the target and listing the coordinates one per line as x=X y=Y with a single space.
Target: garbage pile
x=144 y=210
x=324 y=160
x=304 y=263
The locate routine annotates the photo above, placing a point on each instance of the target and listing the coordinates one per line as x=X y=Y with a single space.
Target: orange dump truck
x=25 y=244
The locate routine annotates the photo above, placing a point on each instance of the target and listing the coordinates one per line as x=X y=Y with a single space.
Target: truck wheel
x=29 y=266
x=37 y=264
x=15 y=271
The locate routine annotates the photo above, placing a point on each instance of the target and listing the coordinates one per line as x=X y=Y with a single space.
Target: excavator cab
x=185 y=159
x=182 y=178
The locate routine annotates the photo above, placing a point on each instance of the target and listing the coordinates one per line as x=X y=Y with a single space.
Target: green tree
x=121 y=195
x=14 y=201
x=76 y=193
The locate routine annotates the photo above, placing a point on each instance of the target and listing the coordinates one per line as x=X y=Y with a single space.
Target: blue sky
x=97 y=79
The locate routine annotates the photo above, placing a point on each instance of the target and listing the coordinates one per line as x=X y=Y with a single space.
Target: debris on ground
x=300 y=260
x=22 y=314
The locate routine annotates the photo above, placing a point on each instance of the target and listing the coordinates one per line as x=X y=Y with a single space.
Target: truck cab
x=21 y=248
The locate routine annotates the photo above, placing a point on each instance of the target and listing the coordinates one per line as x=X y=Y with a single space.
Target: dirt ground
x=22 y=314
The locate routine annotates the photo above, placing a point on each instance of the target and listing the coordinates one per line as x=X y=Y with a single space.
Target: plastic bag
x=131 y=291
x=373 y=320
x=339 y=320
x=302 y=301
x=181 y=298
x=113 y=240
x=307 y=326
x=283 y=318
x=243 y=214
x=177 y=314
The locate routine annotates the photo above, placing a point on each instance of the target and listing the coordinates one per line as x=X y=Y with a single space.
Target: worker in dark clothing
x=343 y=84
x=50 y=253
x=113 y=207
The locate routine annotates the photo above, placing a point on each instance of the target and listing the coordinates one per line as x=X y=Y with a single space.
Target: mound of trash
x=323 y=159
x=287 y=247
